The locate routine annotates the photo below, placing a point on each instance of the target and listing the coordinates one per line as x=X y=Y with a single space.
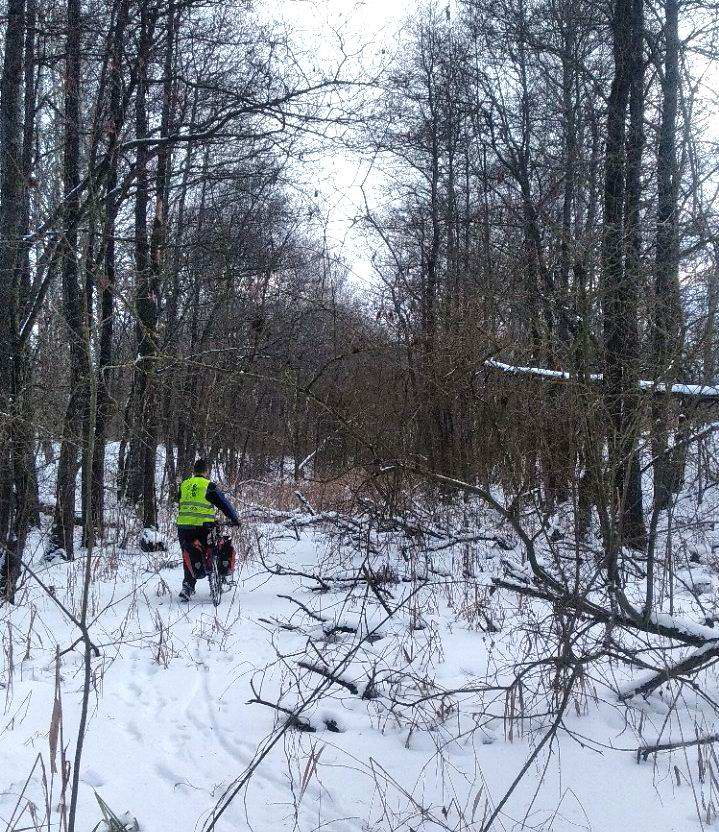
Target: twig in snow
x=293 y=721
x=294 y=573
x=306 y=609
x=350 y=686
x=644 y=751
x=275 y=622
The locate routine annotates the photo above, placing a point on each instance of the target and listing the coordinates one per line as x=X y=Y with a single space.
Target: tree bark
x=107 y=293
x=619 y=312
x=10 y=216
x=708 y=340
x=26 y=485
x=667 y=318
x=145 y=300
x=630 y=472
x=62 y=537
x=150 y=305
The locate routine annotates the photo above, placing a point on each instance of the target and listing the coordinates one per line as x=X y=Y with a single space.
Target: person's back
x=198 y=497
x=195 y=510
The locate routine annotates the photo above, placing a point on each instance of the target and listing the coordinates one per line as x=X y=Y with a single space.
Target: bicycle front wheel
x=215 y=581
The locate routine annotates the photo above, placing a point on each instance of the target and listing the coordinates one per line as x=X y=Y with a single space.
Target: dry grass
x=333 y=495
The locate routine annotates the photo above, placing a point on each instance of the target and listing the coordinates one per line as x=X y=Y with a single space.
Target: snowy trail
x=170 y=726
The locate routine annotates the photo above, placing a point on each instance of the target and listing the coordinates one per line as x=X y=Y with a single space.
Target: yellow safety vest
x=195 y=508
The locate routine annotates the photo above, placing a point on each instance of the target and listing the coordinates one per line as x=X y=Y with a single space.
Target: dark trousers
x=193 y=542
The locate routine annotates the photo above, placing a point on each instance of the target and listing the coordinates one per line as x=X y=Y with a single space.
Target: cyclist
x=198 y=498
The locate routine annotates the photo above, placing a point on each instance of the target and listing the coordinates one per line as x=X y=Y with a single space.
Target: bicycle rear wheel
x=215 y=580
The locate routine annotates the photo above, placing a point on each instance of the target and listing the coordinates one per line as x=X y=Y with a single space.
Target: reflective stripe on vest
x=195 y=508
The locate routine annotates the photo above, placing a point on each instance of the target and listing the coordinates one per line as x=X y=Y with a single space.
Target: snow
x=426 y=743
x=689 y=628
x=702 y=390
x=172 y=727
x=92 y=778
x=152 y=536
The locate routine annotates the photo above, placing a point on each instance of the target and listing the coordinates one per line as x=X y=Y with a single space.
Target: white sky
x=366 y=27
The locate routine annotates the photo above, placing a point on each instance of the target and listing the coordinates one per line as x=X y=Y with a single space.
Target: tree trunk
x=630 y=481
x=708 y=345
x=107 y=294
x=667 y=319
x=570 y=163
x=26 y=484
x=62 y=537
x=10 y=217
x=145 y=299
x=618 y=305
x=150 y=304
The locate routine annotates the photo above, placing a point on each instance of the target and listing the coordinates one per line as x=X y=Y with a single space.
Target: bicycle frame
x=212 y=561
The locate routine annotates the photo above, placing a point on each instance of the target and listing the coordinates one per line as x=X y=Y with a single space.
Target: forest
x=429 y=293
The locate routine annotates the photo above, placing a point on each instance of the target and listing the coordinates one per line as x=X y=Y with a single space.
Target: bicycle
x=212 y=565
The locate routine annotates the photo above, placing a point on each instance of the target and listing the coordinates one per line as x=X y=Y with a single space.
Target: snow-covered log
x=694 y=392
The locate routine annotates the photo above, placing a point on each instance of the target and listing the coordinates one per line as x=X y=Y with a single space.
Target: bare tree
x=74 y=309
x=10 y=219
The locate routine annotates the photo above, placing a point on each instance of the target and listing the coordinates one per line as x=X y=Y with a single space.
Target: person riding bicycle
x=198 y=497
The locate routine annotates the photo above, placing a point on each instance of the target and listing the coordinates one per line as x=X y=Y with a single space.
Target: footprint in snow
x=169 y=776
x=133 y=687
x=160 y=703
x=134 y=732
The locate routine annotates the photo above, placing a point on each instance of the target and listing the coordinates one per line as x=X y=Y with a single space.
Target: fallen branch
x=694 y=635
x=644 y=751
x=294 y=573
x=692 y=392
x=293 y=721
x=304 y=608
x=322 y=671
x=275 y=622
x=375 y=591
x=690 y=664
x=236 y=786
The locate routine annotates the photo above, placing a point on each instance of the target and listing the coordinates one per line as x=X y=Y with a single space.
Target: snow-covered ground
x=172 y=728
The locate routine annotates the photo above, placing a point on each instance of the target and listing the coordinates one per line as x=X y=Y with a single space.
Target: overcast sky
x=367 y=27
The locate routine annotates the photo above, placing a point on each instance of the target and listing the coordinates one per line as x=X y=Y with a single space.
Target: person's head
x=201 y=468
